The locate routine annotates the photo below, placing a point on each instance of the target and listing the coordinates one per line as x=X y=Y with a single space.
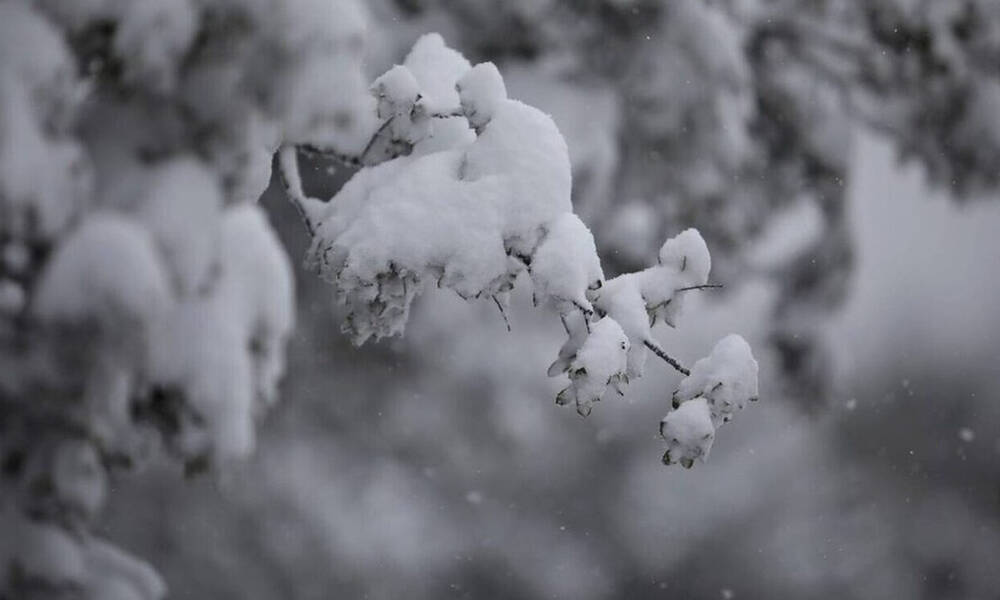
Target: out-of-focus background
x=437 y=466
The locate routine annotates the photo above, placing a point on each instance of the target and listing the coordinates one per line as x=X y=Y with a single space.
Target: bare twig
x=458 y=112
x=503 y=313
x=707 y=286
x=673 y=362
x=329 y=153
x=288 y=173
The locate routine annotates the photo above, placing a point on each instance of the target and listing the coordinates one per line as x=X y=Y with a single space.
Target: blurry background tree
x=390 y=472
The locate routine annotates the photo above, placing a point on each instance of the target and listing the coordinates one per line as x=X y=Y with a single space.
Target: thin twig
x=458 y=112
x=329 y=153
x=288 y=173
x=666 y=357
x=707 y=286
x=503 y=313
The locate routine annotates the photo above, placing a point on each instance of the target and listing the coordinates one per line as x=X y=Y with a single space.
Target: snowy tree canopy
x=145 y=301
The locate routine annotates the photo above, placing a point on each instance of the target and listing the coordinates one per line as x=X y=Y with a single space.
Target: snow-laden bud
x=688 y=255
x=565 y=265
x=398 y=100
x=481 y=91
x=620 y=299
x=689 y=433
x=684 y=261
x=577 y=328
x=600 y=362
x=395 y=91
x=726 y=379
x=437 y=68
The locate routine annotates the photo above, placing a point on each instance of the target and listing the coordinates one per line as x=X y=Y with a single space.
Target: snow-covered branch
x=481 y=198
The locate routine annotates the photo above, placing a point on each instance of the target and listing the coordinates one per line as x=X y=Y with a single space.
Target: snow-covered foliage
x=601 y=361
x=727 y=378
x=146 y=301
x=718 y=386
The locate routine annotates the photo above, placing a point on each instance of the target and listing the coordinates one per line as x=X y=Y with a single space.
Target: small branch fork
x=291 y=180
x=367 y=158
x=657 y=350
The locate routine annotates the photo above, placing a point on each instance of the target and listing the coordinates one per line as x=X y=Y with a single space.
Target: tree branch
x=288 y=173
x=345 y=159
x=673 y=362
x=503 y=313
x=707 y=286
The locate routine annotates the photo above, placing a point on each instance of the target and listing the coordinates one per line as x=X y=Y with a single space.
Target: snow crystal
x=689 y=433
